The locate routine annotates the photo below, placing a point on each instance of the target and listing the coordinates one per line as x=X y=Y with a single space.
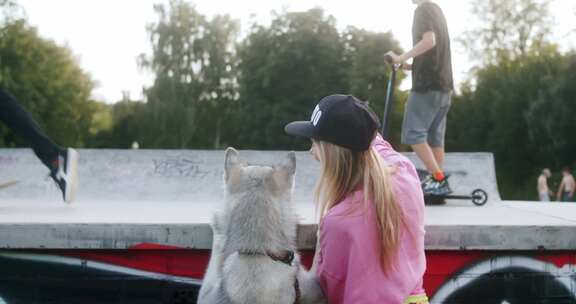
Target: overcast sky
x=108 y=35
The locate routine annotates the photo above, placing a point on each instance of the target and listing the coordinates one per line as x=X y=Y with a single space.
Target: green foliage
x=508 y=29
x=368 y=76
x=210 y=89
x=285 y=69
x=48 y=82
x=194 y=63
x=519 y=102
x=101 y=119
x=301 y=57
x=9 y=12
x=121 y=124
x=522 y=110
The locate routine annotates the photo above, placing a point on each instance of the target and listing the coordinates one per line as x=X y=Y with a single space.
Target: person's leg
x=421 y=112
x=437 y=130
x=62 y=163
x=438 y=156
x=418 y=116
x=427 y=156
x=21 y=123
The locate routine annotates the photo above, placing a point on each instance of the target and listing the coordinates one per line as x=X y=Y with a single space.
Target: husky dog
x=254 y=258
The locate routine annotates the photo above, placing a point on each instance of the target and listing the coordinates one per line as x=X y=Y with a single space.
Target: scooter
x=478 y=197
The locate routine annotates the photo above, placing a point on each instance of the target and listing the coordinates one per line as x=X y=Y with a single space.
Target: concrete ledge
x=502 y=226
x=500 y=238
x=199 y=236
x=103 y=236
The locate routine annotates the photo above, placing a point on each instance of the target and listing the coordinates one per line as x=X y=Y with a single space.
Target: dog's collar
x=286 y=256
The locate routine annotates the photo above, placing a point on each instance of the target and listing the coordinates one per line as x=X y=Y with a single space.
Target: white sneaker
x=66 y=174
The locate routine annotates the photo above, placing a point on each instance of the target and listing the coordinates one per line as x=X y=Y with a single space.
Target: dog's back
x=254 y=236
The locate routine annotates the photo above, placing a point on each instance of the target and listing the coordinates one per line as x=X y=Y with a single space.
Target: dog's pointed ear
x=284 y=173
x=231 y=160
x=290 y=163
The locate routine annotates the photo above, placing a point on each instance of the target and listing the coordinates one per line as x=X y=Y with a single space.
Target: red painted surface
x=151 y=257
x=442 y=265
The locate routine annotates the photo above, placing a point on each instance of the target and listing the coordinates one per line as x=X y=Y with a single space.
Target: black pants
x=21 y=123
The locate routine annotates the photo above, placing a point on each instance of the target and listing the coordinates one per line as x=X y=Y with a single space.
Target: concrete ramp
x=142 y=175
x=191 y=175
x=468 y=171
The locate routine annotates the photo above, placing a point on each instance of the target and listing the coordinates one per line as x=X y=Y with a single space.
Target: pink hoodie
x=349 y=261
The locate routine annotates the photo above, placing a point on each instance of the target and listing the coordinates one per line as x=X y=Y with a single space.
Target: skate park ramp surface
x=194 y=175
x=468 y=171
x=130 y=197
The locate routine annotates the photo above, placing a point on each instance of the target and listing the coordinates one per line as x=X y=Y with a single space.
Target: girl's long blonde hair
x=342 y=172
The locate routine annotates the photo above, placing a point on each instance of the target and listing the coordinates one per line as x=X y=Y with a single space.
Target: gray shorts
x=425 y=118
x=544 y=197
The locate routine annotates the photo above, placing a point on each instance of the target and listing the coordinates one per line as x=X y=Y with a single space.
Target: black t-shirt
x=432 y=71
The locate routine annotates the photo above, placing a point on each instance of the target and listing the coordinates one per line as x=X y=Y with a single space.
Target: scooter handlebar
x=388 y=59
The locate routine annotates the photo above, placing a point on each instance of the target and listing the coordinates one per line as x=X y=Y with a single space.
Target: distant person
x=424 y=124
x=62 y=162
x=567 y=186
x=544 y=192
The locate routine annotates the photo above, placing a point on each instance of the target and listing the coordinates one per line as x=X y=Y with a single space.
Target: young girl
x=371 y=240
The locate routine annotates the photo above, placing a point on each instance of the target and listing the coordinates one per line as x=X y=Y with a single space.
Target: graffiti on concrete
x=510 y=279
x=179 y=167
x=153 y=273
x=42 y=278
x=7 y=160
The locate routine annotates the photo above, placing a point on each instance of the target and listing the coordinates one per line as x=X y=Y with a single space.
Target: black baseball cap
x=342 y=120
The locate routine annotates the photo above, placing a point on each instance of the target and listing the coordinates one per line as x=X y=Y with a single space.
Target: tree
x=193 y=61
x=368 y=75
x=552 y=113
x=285 y=68
x=519 y=103
x=48 y=82
x=522 y=110
x=9 y=12
x=508 y=29
x=121 y=124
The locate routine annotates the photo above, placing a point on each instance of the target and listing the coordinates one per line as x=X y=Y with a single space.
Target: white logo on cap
x=316 y=115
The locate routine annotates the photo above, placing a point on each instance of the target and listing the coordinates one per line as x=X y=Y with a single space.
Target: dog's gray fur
x=257 y=219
